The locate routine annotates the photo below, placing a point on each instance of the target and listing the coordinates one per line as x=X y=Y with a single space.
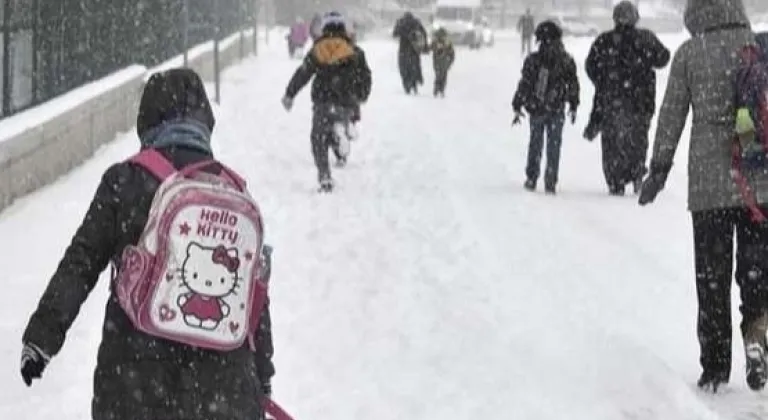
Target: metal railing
x=50 y=47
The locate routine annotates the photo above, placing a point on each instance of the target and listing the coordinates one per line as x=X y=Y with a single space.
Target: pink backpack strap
x=154 y=162
x=231 y=175
x=274 y=410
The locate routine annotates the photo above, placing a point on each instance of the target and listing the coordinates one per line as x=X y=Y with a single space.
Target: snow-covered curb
x=41 y=144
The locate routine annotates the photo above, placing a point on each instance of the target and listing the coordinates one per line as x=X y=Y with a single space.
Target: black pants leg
x=321 y=138
x=441 y=80
x=713 y=233
x=713 y=246
x=535 y=148
x=554 y=129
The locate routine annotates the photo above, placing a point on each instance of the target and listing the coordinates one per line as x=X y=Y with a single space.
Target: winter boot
x=756 y=352
x=341 y=139
x=616 y=190
x=712 y=381
x=550 y=189
x=351 y=131
x=326 y=184
x=637 y=185
x=530 y=184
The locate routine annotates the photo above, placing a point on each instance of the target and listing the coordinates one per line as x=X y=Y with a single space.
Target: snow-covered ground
x=430 y=286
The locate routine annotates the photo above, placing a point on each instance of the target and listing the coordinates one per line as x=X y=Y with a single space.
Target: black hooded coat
x=408 y=29
x=138 y=376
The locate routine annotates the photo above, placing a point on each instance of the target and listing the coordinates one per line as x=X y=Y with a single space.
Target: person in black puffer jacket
x=549 y=82
x=621 y=64
x=139 y=376
x=342 y=81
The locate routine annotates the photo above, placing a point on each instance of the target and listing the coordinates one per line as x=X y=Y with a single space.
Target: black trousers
x=323 y=136
x=713 y=233
x=441 y=79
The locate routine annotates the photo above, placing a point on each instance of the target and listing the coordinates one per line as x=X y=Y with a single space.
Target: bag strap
x=274 y=410
x=762 y=115
x=747 y=194
x=235 y=179
x=157 y=164
x=154 y=162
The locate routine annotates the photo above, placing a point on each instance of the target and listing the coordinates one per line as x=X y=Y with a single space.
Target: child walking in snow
x=139 y=375
x=548 y=82
x=443 y=55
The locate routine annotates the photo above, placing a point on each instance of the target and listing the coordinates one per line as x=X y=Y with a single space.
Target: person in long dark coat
x=622 y=65
x=139 y=376
x=413 y=42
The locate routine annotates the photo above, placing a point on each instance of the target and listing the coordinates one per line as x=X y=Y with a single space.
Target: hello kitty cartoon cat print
x=210 y=274
x=196 y=275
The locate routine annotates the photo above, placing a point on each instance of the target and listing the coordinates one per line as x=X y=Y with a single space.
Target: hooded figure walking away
x=413 y=42
x=621 y=64
x=548 y=83
x=702 y=79
x=526 y=26
x=342 y=81
x=140 y=376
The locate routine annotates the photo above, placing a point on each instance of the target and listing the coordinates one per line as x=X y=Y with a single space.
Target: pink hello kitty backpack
x=196 y=275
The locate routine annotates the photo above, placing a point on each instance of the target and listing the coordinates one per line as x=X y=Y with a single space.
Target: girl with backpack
x=701 y=79
x=147 y=367
x=548 y=83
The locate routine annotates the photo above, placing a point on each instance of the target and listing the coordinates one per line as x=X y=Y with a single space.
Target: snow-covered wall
x=39 y=145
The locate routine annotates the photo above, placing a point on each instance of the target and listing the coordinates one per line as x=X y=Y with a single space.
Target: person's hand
x=653 y=184
x=518 y=117
x=287 y=102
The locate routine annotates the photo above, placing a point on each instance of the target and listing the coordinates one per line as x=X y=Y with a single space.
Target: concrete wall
x=40 y=145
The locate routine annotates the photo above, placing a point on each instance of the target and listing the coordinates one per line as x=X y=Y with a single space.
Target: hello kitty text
x=218 y=224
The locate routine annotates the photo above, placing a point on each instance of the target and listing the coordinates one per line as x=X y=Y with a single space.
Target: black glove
x=33 y=363
x=518 y=117
x=653 y=184
x=287 y=102
x=572 y=113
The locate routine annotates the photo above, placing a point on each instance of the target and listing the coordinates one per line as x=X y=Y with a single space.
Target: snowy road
x=431 y=286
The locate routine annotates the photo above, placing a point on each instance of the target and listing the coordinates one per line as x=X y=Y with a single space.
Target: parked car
x=463 y=21
x=574 y=26
x=486 y=32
